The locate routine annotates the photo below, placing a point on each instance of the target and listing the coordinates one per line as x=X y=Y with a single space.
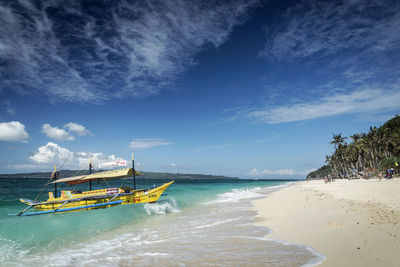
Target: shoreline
x=349 y=222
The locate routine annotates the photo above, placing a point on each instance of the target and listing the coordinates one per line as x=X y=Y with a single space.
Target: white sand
x=352 y=223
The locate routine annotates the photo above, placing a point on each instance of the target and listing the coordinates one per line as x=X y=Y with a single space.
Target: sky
x=245 y=88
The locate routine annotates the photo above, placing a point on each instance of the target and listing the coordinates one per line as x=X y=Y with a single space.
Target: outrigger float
x=68 y=201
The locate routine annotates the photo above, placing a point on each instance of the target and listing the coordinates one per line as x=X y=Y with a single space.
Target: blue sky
x=238 y=88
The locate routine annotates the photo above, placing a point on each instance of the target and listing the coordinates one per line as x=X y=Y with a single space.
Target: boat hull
x=94 y=200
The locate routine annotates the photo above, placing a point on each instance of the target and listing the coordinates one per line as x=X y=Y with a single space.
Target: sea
x=196 y=223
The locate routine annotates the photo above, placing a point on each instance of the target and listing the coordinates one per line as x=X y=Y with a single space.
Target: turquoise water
x=202 y=213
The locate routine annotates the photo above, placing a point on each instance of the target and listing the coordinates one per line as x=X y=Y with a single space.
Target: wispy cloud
x=93 y=52
x=6 y=104
x=350 y=52
x=13 y=131
x=324 y=28
x=280 y=172
x=145 y=143
x=369 y=101
x=52 y=153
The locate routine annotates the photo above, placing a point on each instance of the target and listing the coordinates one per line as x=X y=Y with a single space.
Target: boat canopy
x=72 y=180
x=113 y=174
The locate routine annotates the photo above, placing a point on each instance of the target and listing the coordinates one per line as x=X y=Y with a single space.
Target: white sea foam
x=155 y=254
x=279 y=186
x=161 y=208
x=236 y=195
x=213 y=224
x=319 y=258
x=11 y=249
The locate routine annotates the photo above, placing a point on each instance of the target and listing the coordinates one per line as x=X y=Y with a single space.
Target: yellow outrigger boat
x=70 y=200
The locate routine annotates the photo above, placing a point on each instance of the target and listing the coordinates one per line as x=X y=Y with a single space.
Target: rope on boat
x=19 y=214
x=48 y=182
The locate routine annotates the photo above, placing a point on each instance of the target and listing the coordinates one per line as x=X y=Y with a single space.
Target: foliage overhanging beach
x=377 y=150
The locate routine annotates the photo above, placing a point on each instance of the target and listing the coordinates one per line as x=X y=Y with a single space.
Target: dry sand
x=352 y=223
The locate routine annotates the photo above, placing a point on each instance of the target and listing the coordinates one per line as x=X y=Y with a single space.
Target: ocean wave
x=279 y=186
x=213 y=224
x=155 y=254
x=10 y=249
x=237 y=195
x=161 y=208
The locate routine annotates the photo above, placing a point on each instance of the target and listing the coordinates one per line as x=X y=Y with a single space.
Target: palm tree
x=341 y=151
x=356 y=148
x=338 y=139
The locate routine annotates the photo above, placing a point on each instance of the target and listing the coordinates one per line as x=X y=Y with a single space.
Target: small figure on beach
x=388 y=174
x=326 y=179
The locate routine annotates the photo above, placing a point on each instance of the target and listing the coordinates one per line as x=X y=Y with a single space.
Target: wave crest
x=162 y=208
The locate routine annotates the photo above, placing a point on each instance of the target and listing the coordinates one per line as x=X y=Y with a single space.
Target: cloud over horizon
x=279 y=172
x=145 y=143
x=52 y=153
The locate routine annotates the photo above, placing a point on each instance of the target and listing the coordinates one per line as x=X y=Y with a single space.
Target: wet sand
x=352 y=223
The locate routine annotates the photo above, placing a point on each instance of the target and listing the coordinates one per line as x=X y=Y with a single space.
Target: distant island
x=366 y=154
x=145 y=175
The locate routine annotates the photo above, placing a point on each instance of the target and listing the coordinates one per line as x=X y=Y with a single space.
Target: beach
x=350 y=222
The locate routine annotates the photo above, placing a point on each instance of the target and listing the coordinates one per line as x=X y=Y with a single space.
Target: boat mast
x=90 y=172
x=54 y=176
x=134 y=176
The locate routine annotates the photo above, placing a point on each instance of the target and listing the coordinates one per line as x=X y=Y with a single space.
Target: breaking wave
x=237 y=195
x=161 y=208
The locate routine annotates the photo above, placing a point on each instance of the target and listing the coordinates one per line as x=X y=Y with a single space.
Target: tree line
x=377 y=150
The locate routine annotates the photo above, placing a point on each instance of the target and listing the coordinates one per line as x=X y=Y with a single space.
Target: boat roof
x=69 y=179
x=113 y=174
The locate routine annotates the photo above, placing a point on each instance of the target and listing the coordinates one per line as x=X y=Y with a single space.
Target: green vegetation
x=145 y=175
x=320 y=173
x=379 y=149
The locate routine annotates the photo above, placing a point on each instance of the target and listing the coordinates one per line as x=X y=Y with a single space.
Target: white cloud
x=52 y=153
x=13 y=131
x=279 y=172
x=256 y=172
x=367 y=101
x=56 y=133
x=77 y=128
x=122 y=49
x=61 y=134
x=172 y=164
x=145 y=143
